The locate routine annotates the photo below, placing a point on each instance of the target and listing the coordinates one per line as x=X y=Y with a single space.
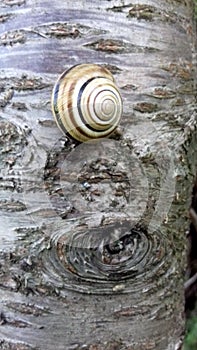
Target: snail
x=86 y=103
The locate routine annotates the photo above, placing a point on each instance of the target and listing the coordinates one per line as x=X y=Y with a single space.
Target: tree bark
x=93 y=236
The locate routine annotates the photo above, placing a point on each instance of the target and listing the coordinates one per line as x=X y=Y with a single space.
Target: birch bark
x=93 y=237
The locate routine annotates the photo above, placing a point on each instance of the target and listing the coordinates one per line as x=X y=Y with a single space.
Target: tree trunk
x=93 y=235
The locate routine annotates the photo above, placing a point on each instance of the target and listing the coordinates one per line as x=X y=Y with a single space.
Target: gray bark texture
x=93 y=235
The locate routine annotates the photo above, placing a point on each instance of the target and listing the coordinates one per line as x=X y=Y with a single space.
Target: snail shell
x=86 y=102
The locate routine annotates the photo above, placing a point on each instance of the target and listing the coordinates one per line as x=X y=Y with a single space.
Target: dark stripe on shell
x=79 y=105
x=55 y=107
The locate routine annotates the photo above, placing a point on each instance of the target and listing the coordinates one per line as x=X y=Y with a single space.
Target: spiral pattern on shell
x=86 y=103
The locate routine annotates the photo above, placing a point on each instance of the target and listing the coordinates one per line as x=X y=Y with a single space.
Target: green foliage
x=195 y=7
x=191 y=335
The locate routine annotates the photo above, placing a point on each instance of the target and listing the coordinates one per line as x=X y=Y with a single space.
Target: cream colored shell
x=86 y=103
